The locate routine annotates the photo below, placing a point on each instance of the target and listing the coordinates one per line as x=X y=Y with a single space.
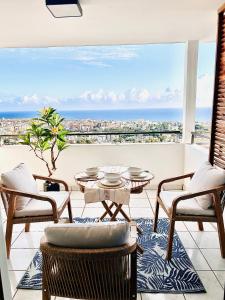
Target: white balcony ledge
x=162 y=159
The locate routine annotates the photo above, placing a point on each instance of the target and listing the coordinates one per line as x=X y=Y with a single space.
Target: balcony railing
x=200 y=138
x=173 y=136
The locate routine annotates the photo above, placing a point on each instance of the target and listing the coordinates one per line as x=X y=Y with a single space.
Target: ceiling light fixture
x=64 y=8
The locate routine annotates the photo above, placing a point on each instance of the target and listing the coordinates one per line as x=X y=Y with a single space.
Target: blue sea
x=153 y=114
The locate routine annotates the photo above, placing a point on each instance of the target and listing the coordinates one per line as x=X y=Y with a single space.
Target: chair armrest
x=29 y=195
x=189 y=175
x=52 y=180
x=213 y=191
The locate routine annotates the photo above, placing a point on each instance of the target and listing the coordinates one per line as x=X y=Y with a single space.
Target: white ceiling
x=28 y=23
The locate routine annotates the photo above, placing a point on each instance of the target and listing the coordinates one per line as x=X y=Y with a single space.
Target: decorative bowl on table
x=93 y=171
x=112 y=177
x=134 y=171
x=104 y=183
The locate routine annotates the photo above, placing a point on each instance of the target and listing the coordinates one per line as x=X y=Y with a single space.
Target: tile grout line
x=150 y=202
x=17 y=237
x=193 y=239
x=201 y=252
x=15 y=293
x=206 y=259
x=217 y=277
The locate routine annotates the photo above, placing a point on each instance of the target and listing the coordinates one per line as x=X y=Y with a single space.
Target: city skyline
x=101 y=77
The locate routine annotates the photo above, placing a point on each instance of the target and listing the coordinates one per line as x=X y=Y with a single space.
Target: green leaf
x=61 y=145
x=61 y=138
x=25 y=139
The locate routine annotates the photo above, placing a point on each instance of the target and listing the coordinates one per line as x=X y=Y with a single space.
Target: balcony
x=28 y=24
x=164 y=160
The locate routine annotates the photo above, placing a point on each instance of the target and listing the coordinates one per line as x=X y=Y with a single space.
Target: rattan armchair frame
x=173 y=216
x=9 y=197
x=96 y=274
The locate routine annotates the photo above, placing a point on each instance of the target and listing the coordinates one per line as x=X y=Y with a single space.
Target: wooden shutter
x=217 y=146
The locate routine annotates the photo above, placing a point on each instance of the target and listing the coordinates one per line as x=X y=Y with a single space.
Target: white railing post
x=190 y=89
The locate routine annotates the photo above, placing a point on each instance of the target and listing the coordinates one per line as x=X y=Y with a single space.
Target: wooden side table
x=136 y=185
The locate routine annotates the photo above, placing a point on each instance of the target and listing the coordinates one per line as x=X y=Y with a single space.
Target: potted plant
x=46 y=137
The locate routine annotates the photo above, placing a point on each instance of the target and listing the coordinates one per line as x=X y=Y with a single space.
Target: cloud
x=205 y=87
x=90 y=55
x=133 y=97
x=38 y=100
x=138 y=95
x=33 y=99
x=103 y=56
x=97 y=64
x=98 y=99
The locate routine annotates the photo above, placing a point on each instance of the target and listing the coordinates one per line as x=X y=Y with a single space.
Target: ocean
x=153 y=114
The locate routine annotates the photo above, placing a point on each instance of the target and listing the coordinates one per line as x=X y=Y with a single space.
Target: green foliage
x=46 y=132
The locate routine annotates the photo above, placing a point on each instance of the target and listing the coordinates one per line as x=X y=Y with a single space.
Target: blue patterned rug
x=155 y=274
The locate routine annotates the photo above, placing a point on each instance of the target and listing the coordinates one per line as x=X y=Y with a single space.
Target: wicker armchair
x=96 y=274
x=187 y=210
x=49 y=207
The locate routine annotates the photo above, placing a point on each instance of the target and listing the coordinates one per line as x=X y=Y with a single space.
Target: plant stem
x=57 y=156
x=42 y=158
x=52 y=155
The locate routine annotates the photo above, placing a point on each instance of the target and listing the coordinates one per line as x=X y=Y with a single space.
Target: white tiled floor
x=212 y=285
x=202 y=248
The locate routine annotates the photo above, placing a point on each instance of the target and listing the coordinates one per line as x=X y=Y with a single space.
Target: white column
x=190 y=88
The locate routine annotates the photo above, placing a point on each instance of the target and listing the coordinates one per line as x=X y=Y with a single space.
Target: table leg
x=118 y=209
x=107 y=210
x=126 y=217
x=123 y=213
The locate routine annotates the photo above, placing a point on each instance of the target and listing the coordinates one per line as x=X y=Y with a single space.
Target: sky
x=101 y=77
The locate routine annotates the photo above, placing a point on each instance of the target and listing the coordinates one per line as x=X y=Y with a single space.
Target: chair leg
x=156 y=216
x=45 y=295
x=27 y=227
x=8 y=236
x=170 y=240
x=45 y=292
x=70 y=212
x=221 y=233
x=200 y=226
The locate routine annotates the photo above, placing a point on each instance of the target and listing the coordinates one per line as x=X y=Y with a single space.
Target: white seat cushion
x=43 y=208
x=20 y=179
x=88 y=235
x=184 y=207
x=205 y=178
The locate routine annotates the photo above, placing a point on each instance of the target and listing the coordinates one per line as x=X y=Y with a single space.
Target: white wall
x=164 y=160
x=194 y=156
